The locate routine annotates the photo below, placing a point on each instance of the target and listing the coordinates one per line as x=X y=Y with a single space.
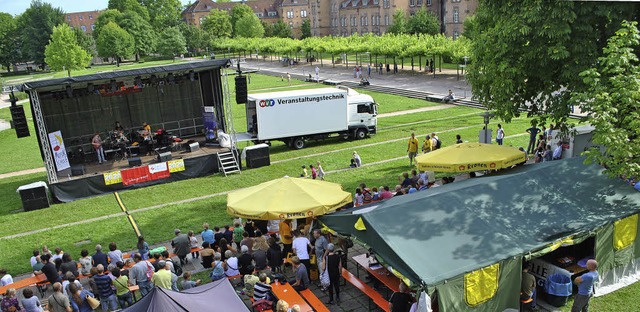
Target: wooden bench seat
x=311 y=298
x=366 y=289
x=29 y=281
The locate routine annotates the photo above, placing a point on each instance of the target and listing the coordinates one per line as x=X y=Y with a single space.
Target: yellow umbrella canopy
x=287 y=198
x=467 y=157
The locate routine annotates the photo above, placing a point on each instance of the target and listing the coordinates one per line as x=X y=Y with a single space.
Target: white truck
x=294 y=117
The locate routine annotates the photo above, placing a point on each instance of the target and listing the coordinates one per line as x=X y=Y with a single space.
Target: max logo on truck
x=302 y=99
x=266 y=103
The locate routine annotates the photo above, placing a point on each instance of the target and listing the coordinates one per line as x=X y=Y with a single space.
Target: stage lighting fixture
x=69 y=91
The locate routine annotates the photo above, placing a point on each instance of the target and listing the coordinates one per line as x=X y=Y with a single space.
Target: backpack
x=150 y=270
x=438 y=143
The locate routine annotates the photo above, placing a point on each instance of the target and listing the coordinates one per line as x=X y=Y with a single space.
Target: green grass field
x=158 y=209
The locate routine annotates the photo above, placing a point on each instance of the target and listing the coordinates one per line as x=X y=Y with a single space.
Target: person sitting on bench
x=450 y=97
x=302 y=278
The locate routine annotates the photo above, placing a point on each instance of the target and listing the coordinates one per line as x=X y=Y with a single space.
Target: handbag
x=93 y=302
x=324 y=278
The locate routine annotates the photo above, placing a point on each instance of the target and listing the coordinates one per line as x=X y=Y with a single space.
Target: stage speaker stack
x=257 y=156
x=77 y=170
x=135 y=161
x=34 y=196
x=192 y=147
x=241 y=89
x=19 y=121
x=162 y=157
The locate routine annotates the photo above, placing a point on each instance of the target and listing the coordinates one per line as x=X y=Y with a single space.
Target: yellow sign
x=113 y=177
x=176 y=165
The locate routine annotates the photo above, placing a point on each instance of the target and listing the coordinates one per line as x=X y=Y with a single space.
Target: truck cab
x=362 y=114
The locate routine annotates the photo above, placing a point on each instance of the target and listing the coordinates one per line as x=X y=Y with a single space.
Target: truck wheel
x=361 y=134
x=297 y=143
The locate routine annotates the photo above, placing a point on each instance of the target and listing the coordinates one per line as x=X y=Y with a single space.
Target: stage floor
x=116 y=161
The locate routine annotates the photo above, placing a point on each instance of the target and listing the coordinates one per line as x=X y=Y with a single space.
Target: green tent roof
x=438 y=234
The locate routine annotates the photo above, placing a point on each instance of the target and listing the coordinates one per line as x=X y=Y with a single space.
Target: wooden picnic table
x=287 y=293
x=380 y=273
x=29 y=281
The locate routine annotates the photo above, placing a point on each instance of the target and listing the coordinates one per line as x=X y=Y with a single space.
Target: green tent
x=466 y=240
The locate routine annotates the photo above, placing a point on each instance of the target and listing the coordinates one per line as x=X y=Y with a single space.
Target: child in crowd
x=359 y=198
x=193 y=243
x=304 y=173
x=320 y=172
x=314 y=172
x=375 y=193
x=187 y=283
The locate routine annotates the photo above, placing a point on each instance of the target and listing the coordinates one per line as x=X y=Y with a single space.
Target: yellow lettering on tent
x=481 y=285
x=360 y=225
x=624 y=232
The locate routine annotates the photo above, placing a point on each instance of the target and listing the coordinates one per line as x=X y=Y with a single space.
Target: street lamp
x=487 y=115
x=464 y=74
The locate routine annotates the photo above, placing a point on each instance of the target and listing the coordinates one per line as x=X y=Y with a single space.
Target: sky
x=15 y=7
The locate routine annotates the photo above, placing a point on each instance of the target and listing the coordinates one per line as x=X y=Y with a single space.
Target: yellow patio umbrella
x=467 y=157
x=287 y=198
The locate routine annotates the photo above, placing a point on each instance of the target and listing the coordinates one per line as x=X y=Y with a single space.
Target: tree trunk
x=137 y=57
x=333 y=63
x=68 y=72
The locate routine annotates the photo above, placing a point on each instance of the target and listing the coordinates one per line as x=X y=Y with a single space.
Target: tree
x=423 y=22
x=105 y=18
x=144 y=36
x=172 y=42
x=218 y=24
x=238 y=12
x=305 y=29
x=163 y=13
x=63 y=51
x=529 y=56
x=35 y=26
x=281 y=29
x=470 y=27
x=197 y=39
x=86 y=42
x=612 y=98
x=249 y=26
x=129 y=5
x=8 y=41
x=399 y=25
x=268 y=29
x=115 y=42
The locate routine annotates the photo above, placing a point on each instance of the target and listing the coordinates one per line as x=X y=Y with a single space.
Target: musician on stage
x=97 y=146
x=118 y=127
x=146 y=136
x=122 y=142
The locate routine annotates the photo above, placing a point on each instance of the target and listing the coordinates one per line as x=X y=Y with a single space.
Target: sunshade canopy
x=466 y=157
x=202 y=298
x=437 y=234
x=287 y=198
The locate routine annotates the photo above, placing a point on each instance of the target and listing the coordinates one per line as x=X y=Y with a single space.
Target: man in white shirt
x=557 y=153
x=300 y=244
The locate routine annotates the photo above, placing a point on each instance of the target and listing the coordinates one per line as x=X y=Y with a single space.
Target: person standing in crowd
x=123 y=294
x=193 y=243
x=162 y=278
x=143 y=247
x=500 y=134
x=300 y=244
x=401 y=300
x=557 y=153
x=301 y=281
x=427 y=146
x=320 y=171
x=181 y=246
x=96 y=141
x=333 y=264
x=435 y=141
x=284 y=228
x=274 y=255
x=58 y=302
x=139 y=274
x=528 y=285
x=586 y=287
x=314 y=172
x=107 y=296
x=320 y=246
x=533 y=134
x=412 y=148
x=238 y=230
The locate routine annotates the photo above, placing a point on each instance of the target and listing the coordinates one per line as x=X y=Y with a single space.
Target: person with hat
x=333 y=264
x=181 y=246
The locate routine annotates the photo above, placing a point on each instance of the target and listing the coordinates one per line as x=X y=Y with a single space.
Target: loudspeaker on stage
x=135 y=161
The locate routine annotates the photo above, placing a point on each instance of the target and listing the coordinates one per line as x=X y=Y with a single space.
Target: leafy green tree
x=305 y=29
x=525 y=55
x=281 y=29
x=423 y=22
x=144 y=36
x=399 y=24
x=115 y=42
x=35 y=27
x=8 y=41
x=249 y=26
x=129 y=5
x=470 y=27
x=85 y=41
x=612 y=98
x=197 y=38
x=63 y=51
x=268 y=29
x=105 y=18
x=238 y=12
x=218 y=24
x=163 y=13
x=172 y=42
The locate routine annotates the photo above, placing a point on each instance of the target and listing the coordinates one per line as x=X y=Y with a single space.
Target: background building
x=83 y=20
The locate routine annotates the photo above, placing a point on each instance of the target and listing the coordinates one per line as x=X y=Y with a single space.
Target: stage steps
x=228 y=163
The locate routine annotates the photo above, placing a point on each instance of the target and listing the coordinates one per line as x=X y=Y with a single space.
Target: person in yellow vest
x=412 y=148
x=428 y=145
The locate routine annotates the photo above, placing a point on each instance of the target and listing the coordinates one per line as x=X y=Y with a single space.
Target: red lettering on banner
x=141 y=175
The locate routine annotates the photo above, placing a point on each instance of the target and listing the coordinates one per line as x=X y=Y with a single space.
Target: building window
x=456 y=15
x=419 y=2
x=80 y=17
x=344 y=22
x=200 y=20
x=376 y=2
x=386 y=20
x=455 y=34
x=385 y=3
x=259 y=15
x=303 y=13
x=455 y=0
x=84 y=28
x=429 y=2
x=93 y=27
x=289 y=14
x=271 y=14
x=90 y=16
x=68 y=17
x=412 y=2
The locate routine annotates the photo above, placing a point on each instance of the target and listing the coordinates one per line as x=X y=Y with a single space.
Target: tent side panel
x=451 y=294
x=625 y=263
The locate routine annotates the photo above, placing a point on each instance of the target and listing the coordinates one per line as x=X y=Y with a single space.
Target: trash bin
x=34 y=196
x=558 y=288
